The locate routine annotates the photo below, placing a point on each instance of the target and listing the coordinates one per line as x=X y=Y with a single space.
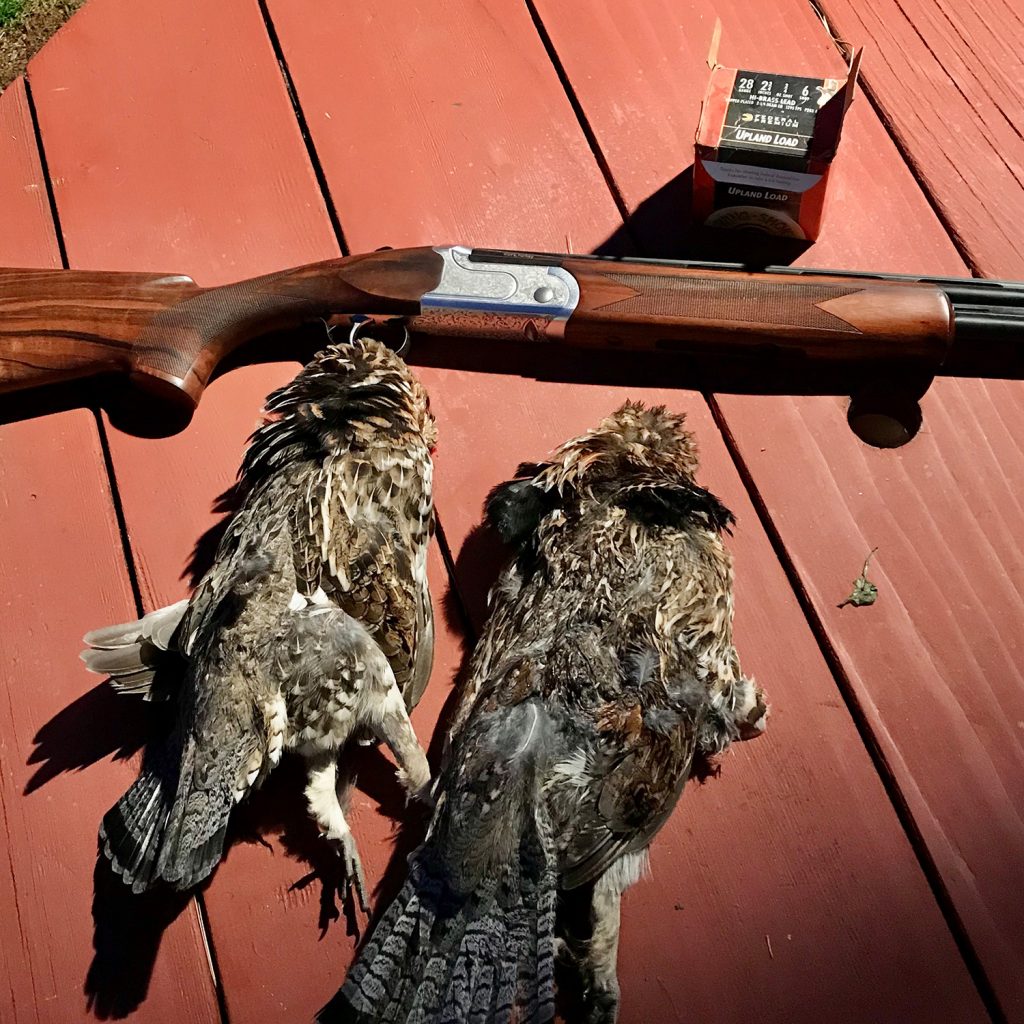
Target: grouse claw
x=355 y=881
x=603 y=1007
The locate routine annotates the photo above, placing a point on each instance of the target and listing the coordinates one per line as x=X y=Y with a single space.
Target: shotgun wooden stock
x=170 y=335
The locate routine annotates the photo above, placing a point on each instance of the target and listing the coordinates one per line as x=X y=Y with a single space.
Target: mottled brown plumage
x=312 y=627
x=604 y=679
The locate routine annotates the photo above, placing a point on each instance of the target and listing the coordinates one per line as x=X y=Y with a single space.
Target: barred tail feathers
x=132 y=830
x=470 y=938
x=156 y=832
x=437 y=956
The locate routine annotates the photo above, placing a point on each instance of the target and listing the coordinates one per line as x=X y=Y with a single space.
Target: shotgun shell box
x=764 y=149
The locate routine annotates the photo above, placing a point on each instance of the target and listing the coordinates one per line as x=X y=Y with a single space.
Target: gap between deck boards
x=820 y=8
x=122 y=526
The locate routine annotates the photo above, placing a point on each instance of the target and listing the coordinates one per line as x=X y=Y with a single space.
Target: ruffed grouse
x=604 y=679
x=312 y=627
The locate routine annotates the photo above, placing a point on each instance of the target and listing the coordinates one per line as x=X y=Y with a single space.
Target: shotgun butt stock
x=169 y=334
x=60 y=325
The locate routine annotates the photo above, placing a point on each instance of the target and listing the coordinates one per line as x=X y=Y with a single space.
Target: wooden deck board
x=935 y=663
x=451 y=118
x=172 y=146
x=27 y=234
x=882 y=923
x=61 y=566
x=205 y=172
x=949 y=80
x=932 y=664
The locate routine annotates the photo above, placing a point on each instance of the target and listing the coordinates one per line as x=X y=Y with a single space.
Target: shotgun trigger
x=393 y=332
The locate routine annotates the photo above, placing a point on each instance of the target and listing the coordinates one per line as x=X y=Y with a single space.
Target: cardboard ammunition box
x=765 y=146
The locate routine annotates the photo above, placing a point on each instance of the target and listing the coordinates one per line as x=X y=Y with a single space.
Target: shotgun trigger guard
x=383 y=331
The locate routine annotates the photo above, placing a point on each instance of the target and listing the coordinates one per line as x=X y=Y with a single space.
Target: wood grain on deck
x=949 y=79
x=933 y=665
x=785 y=890
x=62 y=570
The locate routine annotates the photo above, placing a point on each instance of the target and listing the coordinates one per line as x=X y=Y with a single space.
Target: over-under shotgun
x=170 y=334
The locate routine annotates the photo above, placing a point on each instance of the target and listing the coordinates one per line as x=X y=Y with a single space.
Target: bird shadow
x=226 y=504
x=127 y=930
x=101 y=723
x=477 y=566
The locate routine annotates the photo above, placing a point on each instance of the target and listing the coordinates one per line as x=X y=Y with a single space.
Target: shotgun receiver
x=169 y=334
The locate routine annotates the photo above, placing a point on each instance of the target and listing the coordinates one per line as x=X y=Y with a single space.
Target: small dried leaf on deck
x=864 y=591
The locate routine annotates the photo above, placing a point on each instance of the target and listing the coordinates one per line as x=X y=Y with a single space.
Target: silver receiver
x=514 y=300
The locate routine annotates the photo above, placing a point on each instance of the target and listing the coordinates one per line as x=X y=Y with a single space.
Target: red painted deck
x=862 y=862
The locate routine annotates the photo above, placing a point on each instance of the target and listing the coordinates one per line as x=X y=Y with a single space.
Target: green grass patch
x=9 y=10
x=25 y=25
